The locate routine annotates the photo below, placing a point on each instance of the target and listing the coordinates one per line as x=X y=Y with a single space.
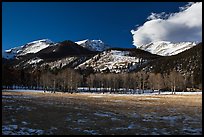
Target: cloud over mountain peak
x=185 y=25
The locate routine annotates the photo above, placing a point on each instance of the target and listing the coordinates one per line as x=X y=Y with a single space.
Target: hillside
x=118 y=60
x=188 y=62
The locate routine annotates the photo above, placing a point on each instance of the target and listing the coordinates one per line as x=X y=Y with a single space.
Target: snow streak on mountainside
x=166 y=48
x=113 y=61
x=55 y=64
x=32 y=47
x=93 y=45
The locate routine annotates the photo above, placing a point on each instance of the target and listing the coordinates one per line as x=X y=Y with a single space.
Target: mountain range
x=81 y=55
x=163 y=48
x=95 y=54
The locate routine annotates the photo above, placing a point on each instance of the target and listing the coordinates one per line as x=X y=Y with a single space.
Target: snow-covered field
x=38 y=113
x=94 y=90
x=21 y=90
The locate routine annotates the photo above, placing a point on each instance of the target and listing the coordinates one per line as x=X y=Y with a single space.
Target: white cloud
x=182 y=26
x=154 y=16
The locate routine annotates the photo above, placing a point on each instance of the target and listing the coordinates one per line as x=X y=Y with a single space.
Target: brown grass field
x=28 y=113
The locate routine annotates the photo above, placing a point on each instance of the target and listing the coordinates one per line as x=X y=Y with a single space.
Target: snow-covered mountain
x=166 y=48
x=32 y=47
x=36 y=46
x=59 y=55
x=93 y=45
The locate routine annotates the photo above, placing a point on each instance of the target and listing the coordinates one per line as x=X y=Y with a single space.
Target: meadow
x=30 y=113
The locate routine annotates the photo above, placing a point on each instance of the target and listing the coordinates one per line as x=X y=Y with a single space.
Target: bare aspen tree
x=77 y=80
x=158 y=81
x=151 y=81
x=71 y=80
x=66 y=77
x=90 y=81
x=176 y=80
x=192 y=80
x=143 y=78
x=131 y=82
x=185 y=81
x=166 y=80
x=108 y=76
x=116 y=81
x=135 y=81
x=172 y=81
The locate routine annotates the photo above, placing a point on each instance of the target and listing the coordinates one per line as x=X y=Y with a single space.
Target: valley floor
x=27 y=113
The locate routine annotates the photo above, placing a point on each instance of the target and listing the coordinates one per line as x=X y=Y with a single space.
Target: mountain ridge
x=70 y=54
x=166 y=48
x=162 y=48
x=93 y=45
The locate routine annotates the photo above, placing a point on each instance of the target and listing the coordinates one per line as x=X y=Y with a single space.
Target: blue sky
x=23 y=22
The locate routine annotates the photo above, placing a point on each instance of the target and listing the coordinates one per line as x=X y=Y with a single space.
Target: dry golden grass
x=104 y=113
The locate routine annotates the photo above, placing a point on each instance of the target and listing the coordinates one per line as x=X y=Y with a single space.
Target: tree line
x=68 y=80
x=141 y=81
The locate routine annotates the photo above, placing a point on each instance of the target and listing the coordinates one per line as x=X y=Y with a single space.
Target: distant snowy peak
x=81 y=42
x=166 y=48
x=93 y=45
x=31 y=47
x=35 y=46
x=41 y=41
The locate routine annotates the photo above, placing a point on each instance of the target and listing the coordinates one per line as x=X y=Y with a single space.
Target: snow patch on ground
x=171 y=119
x=135 y=115
x=24 y=123
x=19 y=108
x=189 y=130
x=5 y=100
x=16 y=96
x=118 y=101
x=104 y=114
x=22 y=90
x=115 y=119
x=151 y=98
x=100 y=94
x=82 y=121
x=96 y=96
x=178 y=93
x=92 y=132
x=15 y=130
x=132 y=126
